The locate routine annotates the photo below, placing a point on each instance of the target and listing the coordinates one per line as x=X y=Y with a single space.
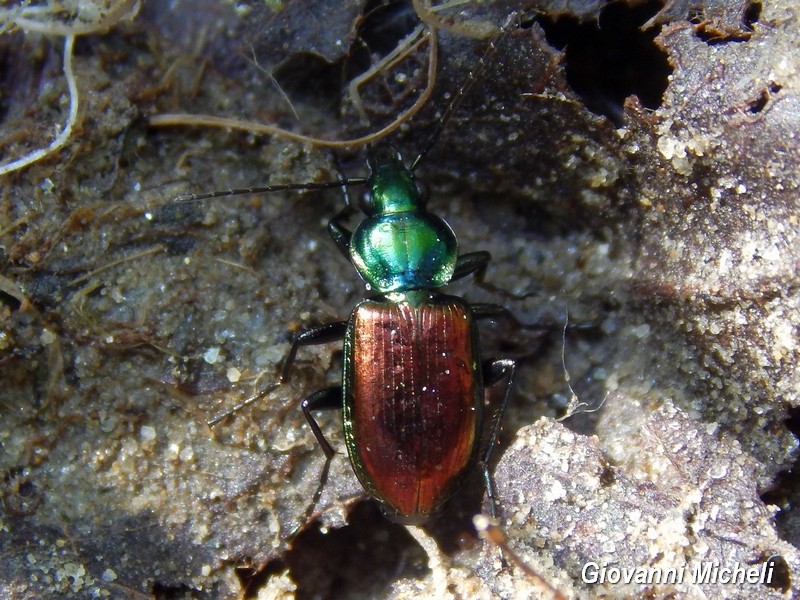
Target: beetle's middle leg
x=322 y=334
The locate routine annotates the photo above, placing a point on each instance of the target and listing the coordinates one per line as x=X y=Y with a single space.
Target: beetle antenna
x=344 y=183
x=491 y=49
x=268 y=189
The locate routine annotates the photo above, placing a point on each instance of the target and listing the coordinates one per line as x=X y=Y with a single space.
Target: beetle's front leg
x=475 y=263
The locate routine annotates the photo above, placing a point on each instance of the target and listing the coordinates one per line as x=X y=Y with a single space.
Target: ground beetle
x=412 y=391
x=413 y=381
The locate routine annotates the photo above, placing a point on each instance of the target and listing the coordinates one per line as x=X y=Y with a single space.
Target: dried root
x=68 y=19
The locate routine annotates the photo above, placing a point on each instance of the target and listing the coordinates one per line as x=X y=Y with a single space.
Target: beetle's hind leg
x=326 y=399
x=495 y=370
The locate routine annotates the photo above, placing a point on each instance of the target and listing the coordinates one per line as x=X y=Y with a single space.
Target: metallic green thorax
x=400 y=246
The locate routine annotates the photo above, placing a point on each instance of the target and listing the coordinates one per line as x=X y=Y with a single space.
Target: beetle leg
x=340 y=234
x=326 y=399
x=330 y=332
x=493 y=311
x=476 y=263
x=495 y=370
x=322 y=334
x=472 y=262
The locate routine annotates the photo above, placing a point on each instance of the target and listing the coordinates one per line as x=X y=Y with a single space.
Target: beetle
x=413 y=379
x=412 y=392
